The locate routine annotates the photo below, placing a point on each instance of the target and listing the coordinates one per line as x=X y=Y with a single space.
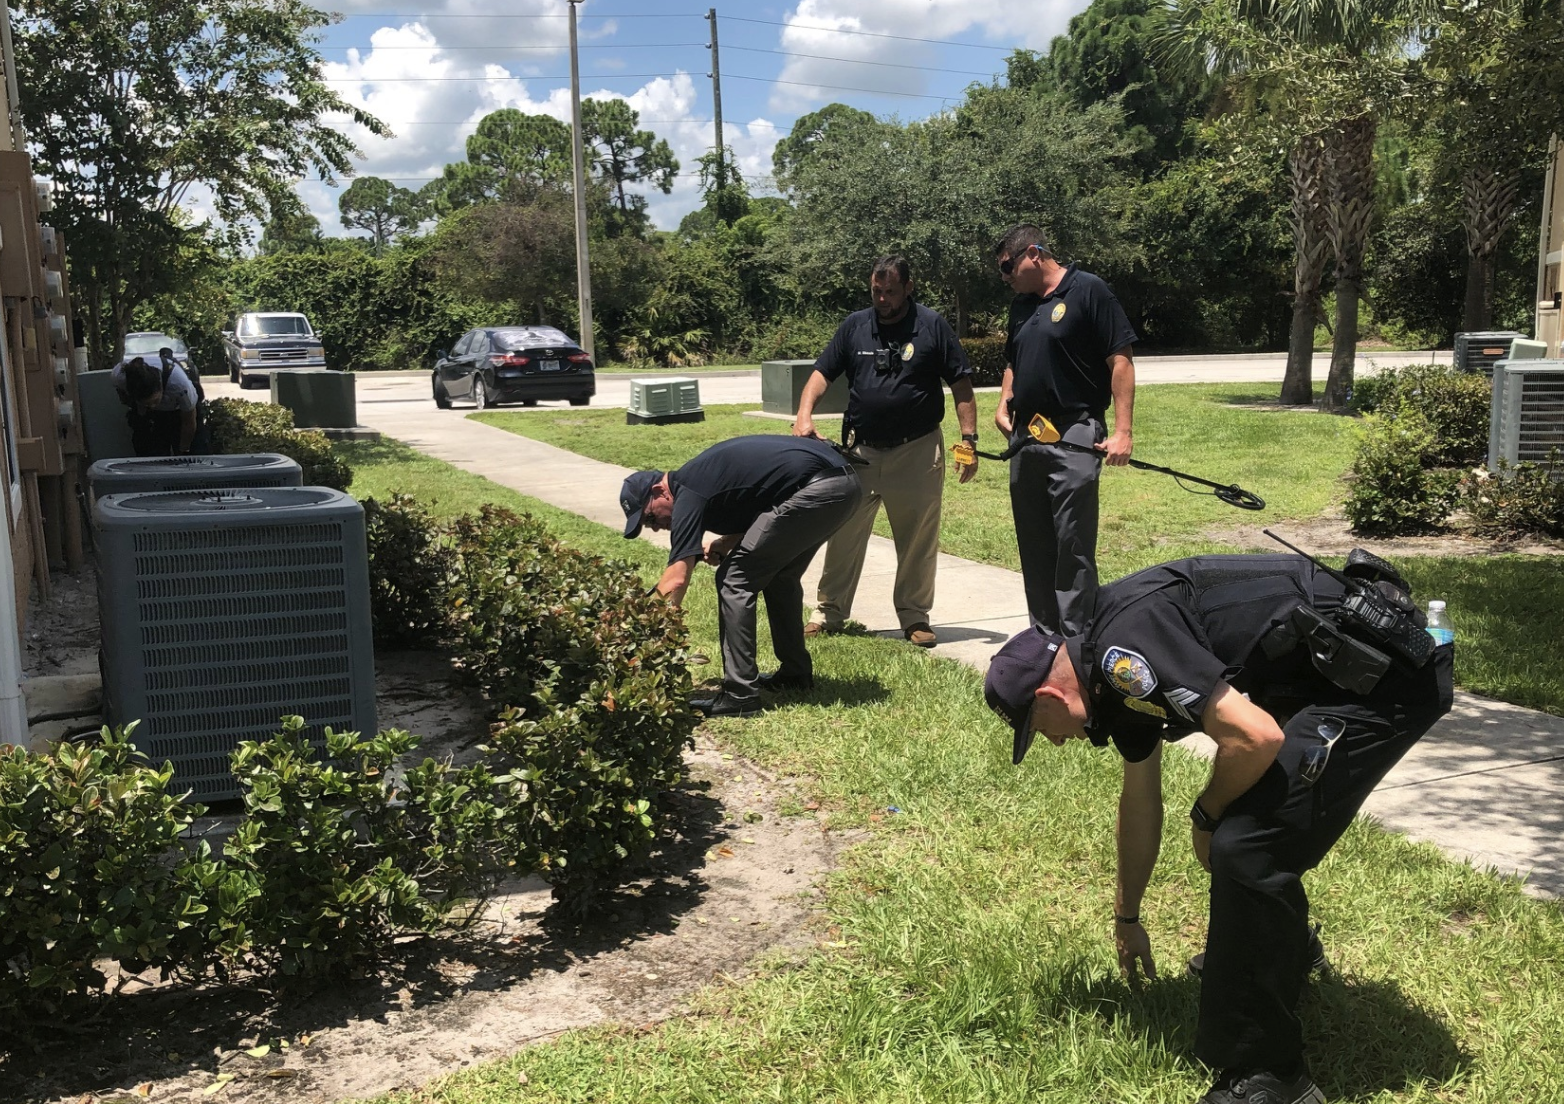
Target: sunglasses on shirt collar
x=1008 y=265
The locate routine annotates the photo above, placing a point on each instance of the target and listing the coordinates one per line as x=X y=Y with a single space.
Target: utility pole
x=578 y=164
x=716 y=102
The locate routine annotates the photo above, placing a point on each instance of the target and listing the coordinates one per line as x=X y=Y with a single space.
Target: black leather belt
x=828 y=473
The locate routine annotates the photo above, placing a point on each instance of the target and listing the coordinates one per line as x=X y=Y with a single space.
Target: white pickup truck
x=261 y=342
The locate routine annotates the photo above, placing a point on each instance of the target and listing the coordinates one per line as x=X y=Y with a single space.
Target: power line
x=504 y=15
x=516 y=49
x=661 y=122
x=856 y=61
x=843 y=88
x=866 y=34
x=507 y=76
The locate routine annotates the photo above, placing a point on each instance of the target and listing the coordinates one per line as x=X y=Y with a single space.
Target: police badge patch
x=1129 y=672
x=1058 y=314
x=906 y=352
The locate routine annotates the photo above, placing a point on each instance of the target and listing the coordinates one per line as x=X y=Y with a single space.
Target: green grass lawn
x=1293 y=460
x=968 y=956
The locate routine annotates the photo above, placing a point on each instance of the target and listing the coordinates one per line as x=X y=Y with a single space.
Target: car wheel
x=233 y=374
x=580 y=400
x=441 y=399
x=529 y=402
x=480 y=394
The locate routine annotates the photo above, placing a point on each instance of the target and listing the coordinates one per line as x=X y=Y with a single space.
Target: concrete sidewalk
x=1486 y=785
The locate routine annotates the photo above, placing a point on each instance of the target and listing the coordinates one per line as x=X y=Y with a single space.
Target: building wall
x=1550 y=268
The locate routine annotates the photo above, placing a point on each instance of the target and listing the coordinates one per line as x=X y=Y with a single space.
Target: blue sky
x=432 y=68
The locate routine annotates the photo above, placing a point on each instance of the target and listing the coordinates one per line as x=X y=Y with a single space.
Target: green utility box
x=782 y=382
x=318 y=397
x=103 y=422
x=664 y=401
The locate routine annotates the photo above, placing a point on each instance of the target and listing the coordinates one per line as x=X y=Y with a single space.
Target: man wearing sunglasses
x=898 y=357
x=1308 y=711
x=1067 y=359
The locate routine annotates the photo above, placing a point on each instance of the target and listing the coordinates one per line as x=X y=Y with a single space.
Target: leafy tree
x=132 y=103
x=1318 y=74
x=381 y=207
x=521 y=251
x=1111 y=51
x=622 y=155
x=722 y=187
x=1490 y=92
x=509 y=153
x=293 y=228
x=809 y=131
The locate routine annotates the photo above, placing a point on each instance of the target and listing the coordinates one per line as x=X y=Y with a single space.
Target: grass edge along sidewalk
x=969 y=954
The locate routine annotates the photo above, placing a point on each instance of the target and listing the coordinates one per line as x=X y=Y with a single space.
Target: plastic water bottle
x=1439 y=626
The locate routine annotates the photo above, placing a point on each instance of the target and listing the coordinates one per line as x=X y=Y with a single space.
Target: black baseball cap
x=1014 y=674
x=632 y=499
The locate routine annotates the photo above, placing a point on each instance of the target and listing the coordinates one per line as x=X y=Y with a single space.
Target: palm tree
x=1315 y=74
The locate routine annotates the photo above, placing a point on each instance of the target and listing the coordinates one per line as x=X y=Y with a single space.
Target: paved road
x=1457 y=789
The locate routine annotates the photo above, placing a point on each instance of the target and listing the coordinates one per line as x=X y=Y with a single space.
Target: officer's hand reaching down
x=718 y=548
x=1134 y=946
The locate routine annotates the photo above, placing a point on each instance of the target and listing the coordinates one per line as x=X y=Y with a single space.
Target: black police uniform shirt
x=1163 y=639
x=725 y=488
x=1058 y=347
x=894 y=372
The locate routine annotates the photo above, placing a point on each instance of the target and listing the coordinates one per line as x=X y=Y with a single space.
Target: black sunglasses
x=1008 y=265
x=1315 y=758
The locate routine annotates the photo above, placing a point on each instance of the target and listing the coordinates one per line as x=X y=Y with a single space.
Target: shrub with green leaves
x=1456 y=406
x=1394 y=489
x=1518 y=500
x=987 y=357
x=85 y=835
x=335 y=857
x=410 y=565
x=238 y=426
x=590 y=675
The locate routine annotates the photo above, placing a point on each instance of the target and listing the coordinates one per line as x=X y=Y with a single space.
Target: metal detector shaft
x=1230 y=493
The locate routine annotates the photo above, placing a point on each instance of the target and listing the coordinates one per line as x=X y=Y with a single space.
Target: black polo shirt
x=725 y=488
x=894 y=372
x=1058 y=346
x=1163 y=639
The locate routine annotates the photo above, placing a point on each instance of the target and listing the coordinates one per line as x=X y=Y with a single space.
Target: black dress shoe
x=778 y=682
x=726 y=705
x=1263 y=1087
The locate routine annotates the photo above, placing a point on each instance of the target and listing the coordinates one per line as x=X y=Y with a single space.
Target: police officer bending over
x=1313 y=688
x=772 y=501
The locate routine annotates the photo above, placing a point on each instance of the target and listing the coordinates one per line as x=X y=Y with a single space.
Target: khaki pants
x=909 y=480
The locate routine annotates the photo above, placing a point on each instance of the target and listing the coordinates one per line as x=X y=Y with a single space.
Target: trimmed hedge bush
x=238 y=426
x=410 y=566
x=84 y=837
x=1520 y=499
x=591 y=675
x=1428 y=424
x=987 y=357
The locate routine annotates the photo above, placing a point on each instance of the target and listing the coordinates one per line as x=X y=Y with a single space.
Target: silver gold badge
x=1058 y=314
x=906 y=352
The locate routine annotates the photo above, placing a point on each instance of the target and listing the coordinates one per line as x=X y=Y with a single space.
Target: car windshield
x=532 y=337
x=148 y=344
x=282 y=325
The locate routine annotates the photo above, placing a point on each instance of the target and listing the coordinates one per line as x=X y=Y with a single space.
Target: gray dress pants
x=771 y=561
x=1053 y=498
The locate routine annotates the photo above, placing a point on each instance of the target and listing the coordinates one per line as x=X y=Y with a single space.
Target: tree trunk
x=1350 y=164
x=1311 y=248
x=1488 y=205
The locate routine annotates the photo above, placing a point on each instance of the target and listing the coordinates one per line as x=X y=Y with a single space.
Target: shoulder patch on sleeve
x=1129 y=672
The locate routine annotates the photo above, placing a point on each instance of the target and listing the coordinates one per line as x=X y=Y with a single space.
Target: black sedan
x=522 y=364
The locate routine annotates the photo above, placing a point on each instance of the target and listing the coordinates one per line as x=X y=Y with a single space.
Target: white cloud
x=816 y=26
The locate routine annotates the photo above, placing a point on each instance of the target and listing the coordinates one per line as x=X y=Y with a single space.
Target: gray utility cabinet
x=318 y=397
x=782 y=382
x=224 y=611
x=664 y=401
x=147 y=474
x=103 y=424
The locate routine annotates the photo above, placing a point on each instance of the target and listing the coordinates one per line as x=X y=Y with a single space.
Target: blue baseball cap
x=633 y=495
x=1014 y=674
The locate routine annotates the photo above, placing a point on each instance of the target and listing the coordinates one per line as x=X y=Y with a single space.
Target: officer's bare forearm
x=966 y=405
x=676 y=580
x=1006 y=391
x=1122 y=384
x=1247 y=742
x=1138 y=834
x=187 y=430
x=814 y=390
